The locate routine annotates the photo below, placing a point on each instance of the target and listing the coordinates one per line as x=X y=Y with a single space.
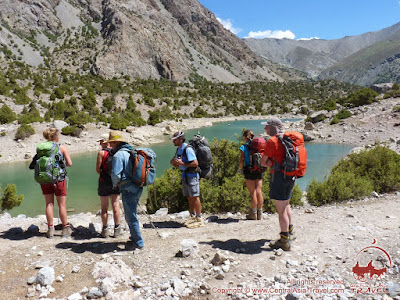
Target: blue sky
x=304 y=19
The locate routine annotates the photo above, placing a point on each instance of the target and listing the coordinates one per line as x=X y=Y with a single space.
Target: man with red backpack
x=281 y=181
x=105 y=188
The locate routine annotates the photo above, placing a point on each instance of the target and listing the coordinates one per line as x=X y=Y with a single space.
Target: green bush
x=380 y=165
x=344 y=114
x=72 y=131
x=24 y=131
x=356 y=176
x=361 y=97
x=7 y=115
x=9 y=198
x=226 y=191
x=340 y=187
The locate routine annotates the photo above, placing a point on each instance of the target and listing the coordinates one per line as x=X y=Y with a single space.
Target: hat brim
x=116 y=140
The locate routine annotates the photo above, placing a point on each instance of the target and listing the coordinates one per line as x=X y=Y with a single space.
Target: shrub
x=377 y=169
x=380 y=165
x=24 y=131
x=72 y=131
x=225 y=191
x=79 y=119
x=10 y=199
x=362 y=97
x=7 y=115
x=118 y=123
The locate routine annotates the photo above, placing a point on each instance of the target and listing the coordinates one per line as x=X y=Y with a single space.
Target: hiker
x=185 y=159
x=280 y=185
x=59 y=188
x=121 y=176
x=253 y=178
x=105 y=188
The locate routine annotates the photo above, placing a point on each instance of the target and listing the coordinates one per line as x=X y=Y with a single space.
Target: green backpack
x=50 y=165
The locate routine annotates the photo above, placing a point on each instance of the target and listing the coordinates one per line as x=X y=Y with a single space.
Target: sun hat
x=115 y=136
x=103 y=138
x=178 y=134
x=274 y=121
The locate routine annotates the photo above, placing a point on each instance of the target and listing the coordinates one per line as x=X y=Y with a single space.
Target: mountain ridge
x=322 y=57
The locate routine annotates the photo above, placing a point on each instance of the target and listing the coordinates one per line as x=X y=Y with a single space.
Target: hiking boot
x=66 y=231
x=50 y=232
x=198 y=222
x=259 y=214
x=130 y=245
x=118 y=231
x=252 y=215
x=190 y=220
x=105 y=232
x=292 y=234
x=283 y=243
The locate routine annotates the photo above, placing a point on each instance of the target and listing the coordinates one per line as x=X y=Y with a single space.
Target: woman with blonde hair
x=253 y=178
x=59 y=187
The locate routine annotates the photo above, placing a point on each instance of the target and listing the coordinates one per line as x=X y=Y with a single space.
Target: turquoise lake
x=82 y=187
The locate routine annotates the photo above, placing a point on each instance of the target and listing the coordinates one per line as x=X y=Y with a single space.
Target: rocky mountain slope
x=365 y=59
x=140 y=38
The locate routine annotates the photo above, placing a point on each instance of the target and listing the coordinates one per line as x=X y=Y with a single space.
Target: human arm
x=189 y=160
x=266 y=161
x=33 y=162
x=190 y=164
x=100 y=156
x=173 y=162
x=68 y=160
x=241 y=160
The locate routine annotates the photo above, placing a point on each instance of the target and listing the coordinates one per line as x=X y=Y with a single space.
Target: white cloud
x=229 y=26
x=307 y=39
x=276 y=34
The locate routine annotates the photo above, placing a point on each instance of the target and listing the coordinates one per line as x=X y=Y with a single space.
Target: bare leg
x=283 y=209
x=49 y=208
x=116 y=209
x=104 y=209
x=259 y=195
x=195 y=204
x=62 y=209
x=251 y=186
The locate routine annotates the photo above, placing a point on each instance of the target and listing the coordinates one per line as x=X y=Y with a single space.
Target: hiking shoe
x=259 y=214
x=130 y=245
x=50 y=232
x=118 y=231
x=105 y=232
x=66 y=231
x=283 y=243
x=252 y=215
x=190 y=220
x=198 y=222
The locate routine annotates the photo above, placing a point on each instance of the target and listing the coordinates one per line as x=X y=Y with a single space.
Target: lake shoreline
x=369 y=124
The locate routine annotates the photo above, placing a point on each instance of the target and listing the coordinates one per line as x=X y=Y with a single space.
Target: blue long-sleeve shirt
x=121 y=170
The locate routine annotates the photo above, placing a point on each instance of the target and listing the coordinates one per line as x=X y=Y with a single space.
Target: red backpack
x=257 y=148
x=106 y=162
x=295 y=160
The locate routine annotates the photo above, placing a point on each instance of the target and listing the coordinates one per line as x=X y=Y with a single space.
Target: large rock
x=318 y=116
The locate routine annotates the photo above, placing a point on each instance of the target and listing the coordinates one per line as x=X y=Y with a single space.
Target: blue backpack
x=143 y=166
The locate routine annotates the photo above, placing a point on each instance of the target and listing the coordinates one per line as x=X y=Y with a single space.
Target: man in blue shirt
x=185 y=159
x=121 y=175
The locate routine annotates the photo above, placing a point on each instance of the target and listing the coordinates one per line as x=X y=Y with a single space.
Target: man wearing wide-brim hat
x=121 y=175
